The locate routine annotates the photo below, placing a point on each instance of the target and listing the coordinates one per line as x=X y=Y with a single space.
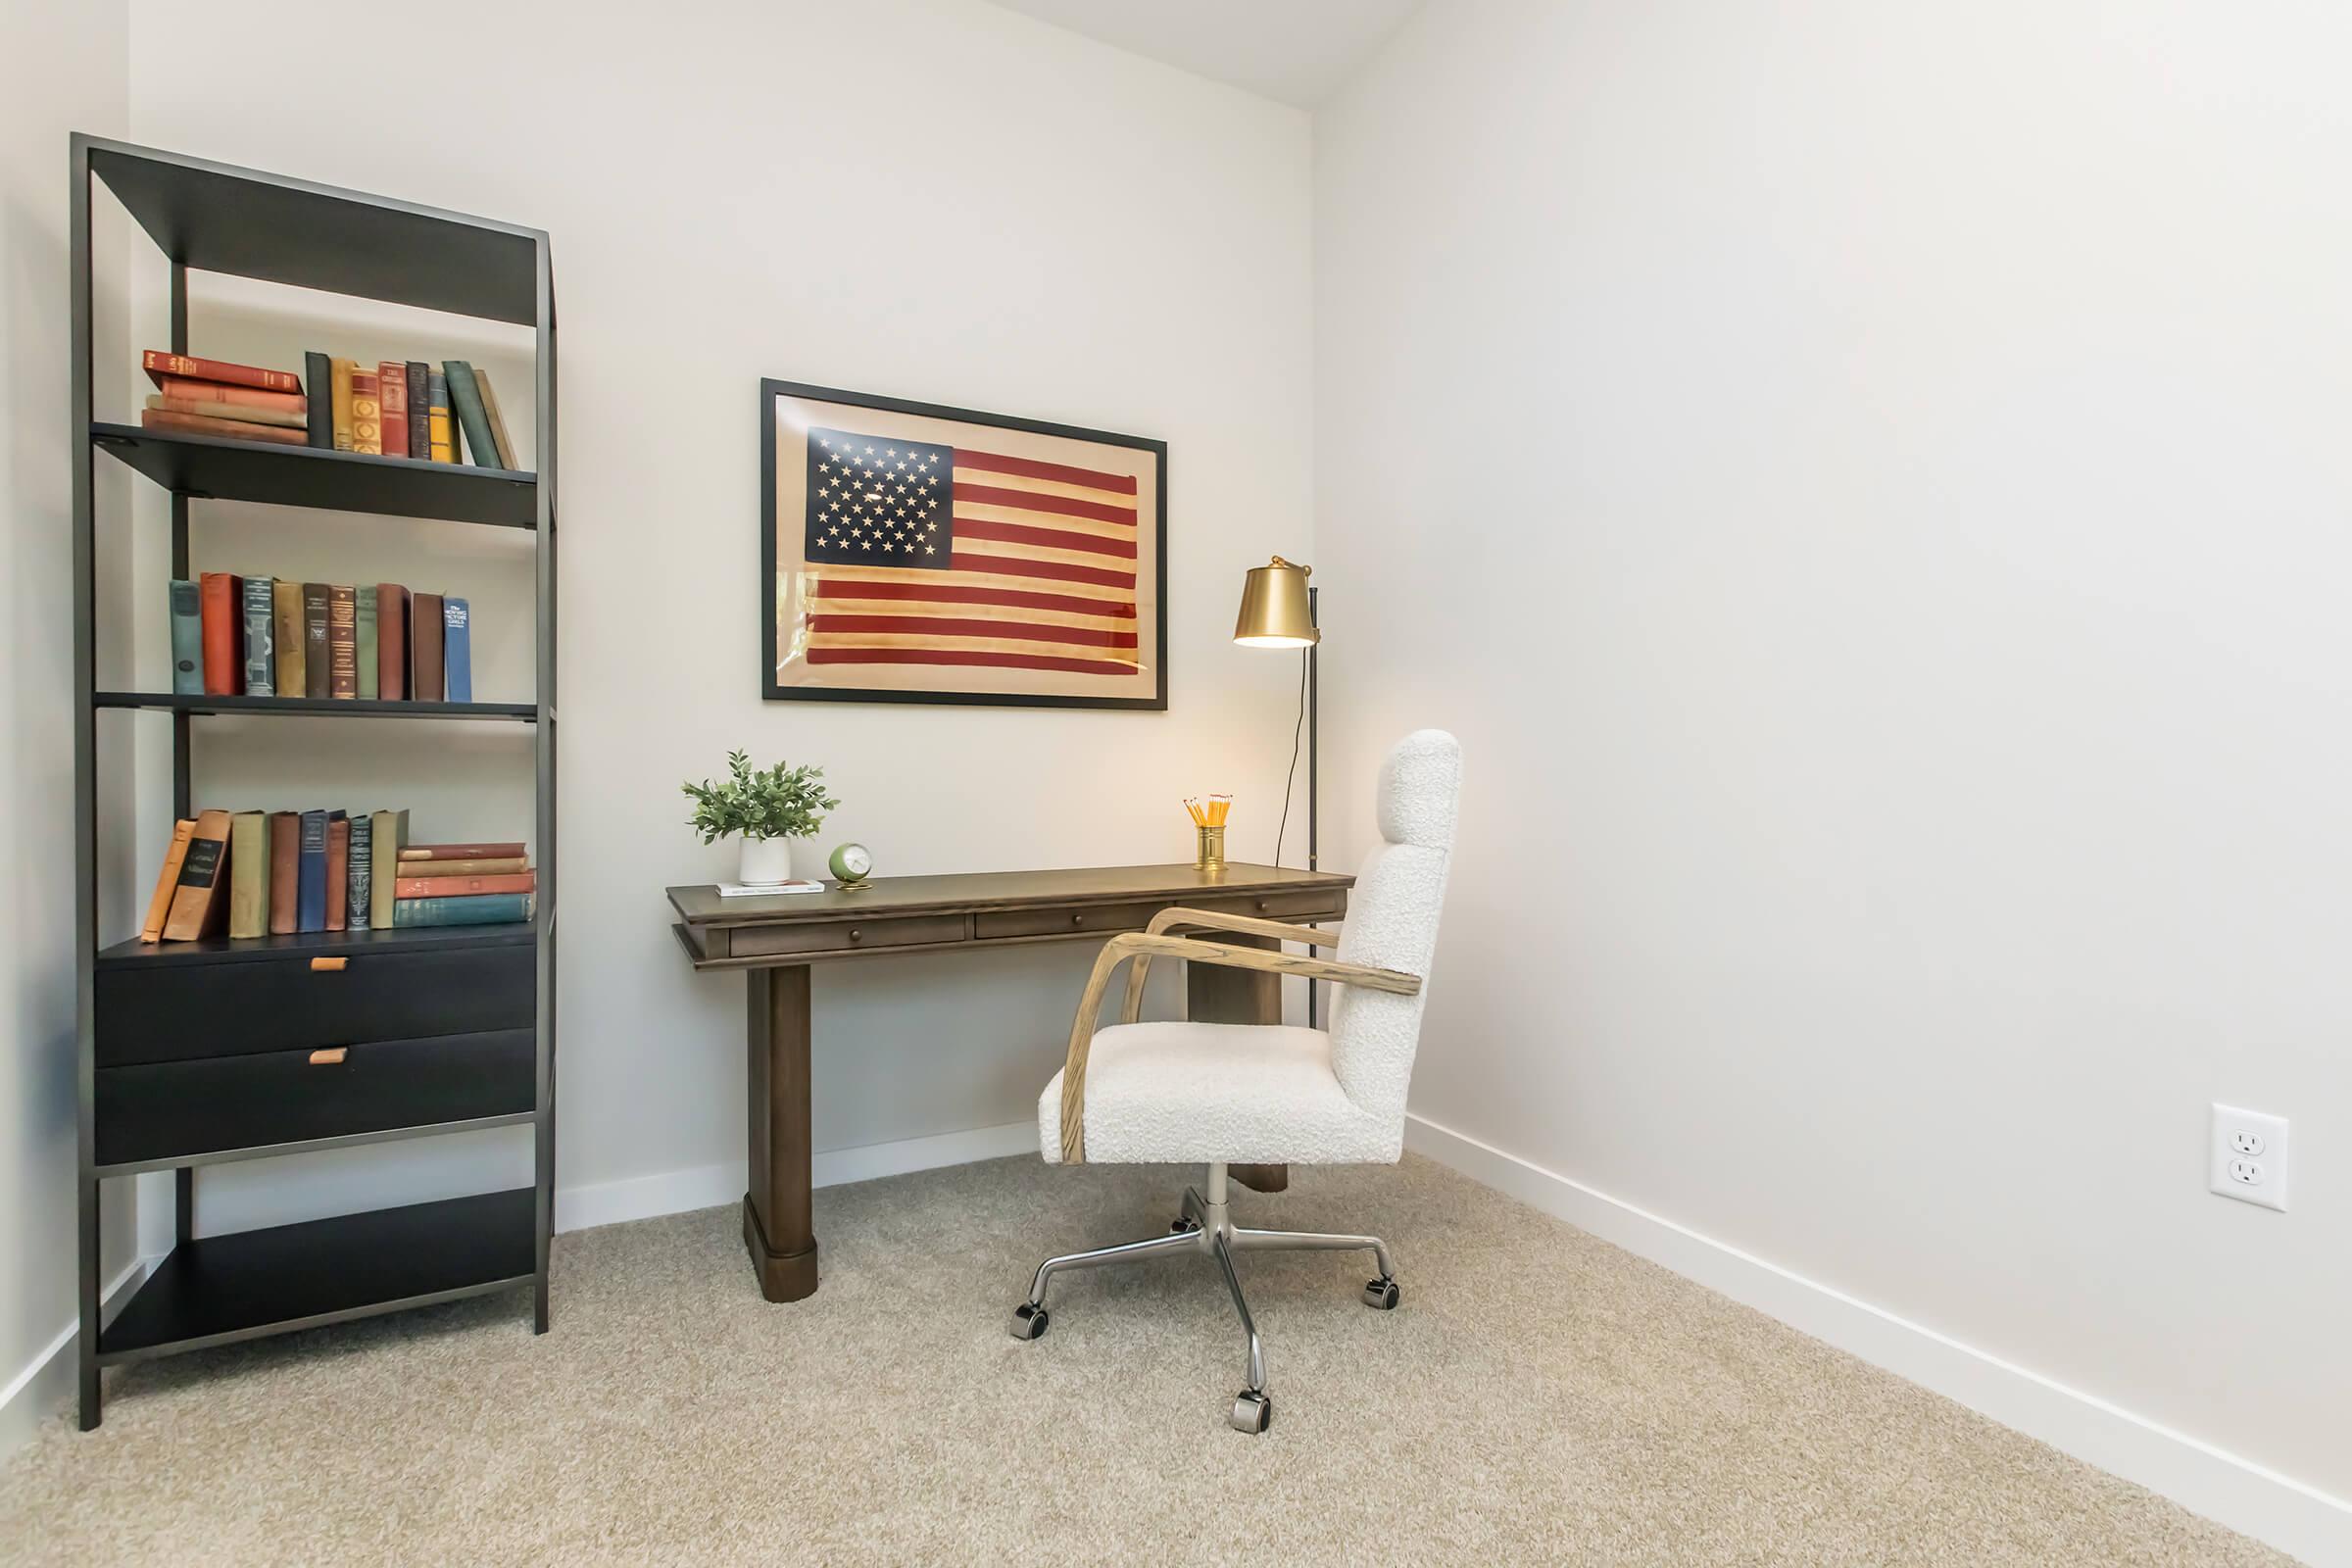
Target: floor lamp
x=1278 y=611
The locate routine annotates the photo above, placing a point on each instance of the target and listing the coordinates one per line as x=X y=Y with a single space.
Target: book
x=310 y=874
x=159 y=906
x=363 y=607
x=338 y=870
x=187 y=637
x=367 y=411
x=436 y=887
x=440 y=430
x=248 y=874
x=359 y=892
x=286 y=863
x=199 y=897
x=459 y=852
x=753 y=890
x=499 y=439
x=320 y=420
x=498 y=865
x=339 y=371
x=483 y=908
x=317 y=677
x=261 y=638
x=293 y=654
x=425 y=646
x=243 y=397
x=221 y=597
x=421 y=410
x=159 y=363
x=390 y=833
x=466 y=400
x=391 y=641
x=239 y=412
x=456 y=650
x=171 y=423
x=342 y=642
x=392 y=391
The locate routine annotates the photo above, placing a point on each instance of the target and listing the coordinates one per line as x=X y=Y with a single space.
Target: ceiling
x=1295 y=51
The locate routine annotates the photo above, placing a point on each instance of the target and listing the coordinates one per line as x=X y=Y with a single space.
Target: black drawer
x=178 y=1011
x=189 y=1109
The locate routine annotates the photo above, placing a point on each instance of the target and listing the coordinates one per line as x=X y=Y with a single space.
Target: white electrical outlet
x=2248 y=1160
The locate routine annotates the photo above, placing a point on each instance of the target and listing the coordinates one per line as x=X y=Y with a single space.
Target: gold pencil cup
x=1211 y=854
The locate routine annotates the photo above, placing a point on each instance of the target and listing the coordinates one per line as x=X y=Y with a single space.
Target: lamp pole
x=1313 y=860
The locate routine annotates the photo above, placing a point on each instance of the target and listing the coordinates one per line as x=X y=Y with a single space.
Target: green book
x=365 y=601
x=387 y=836
x=187 y=637
x=249 y=874
x=472 y=908
x=466 y=401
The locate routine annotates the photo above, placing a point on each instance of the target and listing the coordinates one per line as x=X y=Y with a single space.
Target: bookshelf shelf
x=221 y=469
x=197 y=1053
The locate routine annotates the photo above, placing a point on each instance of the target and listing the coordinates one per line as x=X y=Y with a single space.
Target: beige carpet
x=1538 y=1398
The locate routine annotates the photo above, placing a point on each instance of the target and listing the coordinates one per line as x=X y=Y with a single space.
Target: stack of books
x=210 y=397
x=394 y=408
x=282 y=873
x=235 y=636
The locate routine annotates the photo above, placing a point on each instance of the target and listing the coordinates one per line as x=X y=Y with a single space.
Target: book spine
x=234 y=413
x=236 y=397
x=261 y=639
x=187 y=638
x=199 y=905
x=392 y=389
x=363 y=611
x=340 y=372
x=500 y=865
x=498 y=424
x=158 y=364
x=317 y=658
x=248 y=874
x=285 y=867
x=359 y=897
x=488 y=908
x=391 y=832
x=459 y=851
x=338 y=870
x=367 y=413
x=342 y=642
x=167 y=881
x=319 y=422
x=224 y=610
x=440 y=431
x=293 y=657
x=391 y=641
x=456 y=650
x=310 y=885
x=437 y=886
x=421 y=410
x=425 y=646
x=466 y=400
x=174 y=424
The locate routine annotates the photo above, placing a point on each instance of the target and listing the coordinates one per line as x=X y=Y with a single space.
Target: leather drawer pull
x=331 y=1056
x=323 y=965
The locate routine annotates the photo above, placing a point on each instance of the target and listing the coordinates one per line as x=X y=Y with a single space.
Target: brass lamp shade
x=1274 y=610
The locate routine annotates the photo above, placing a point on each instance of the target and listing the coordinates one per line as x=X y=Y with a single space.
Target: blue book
x=456 y=650
x=475 y=908
x=187 y=638
x=310 y=876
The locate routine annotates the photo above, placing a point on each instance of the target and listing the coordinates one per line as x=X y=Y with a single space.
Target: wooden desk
x=776 y=939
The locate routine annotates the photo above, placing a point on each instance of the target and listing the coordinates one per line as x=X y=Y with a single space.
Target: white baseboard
x=679 y=1192
x=2245 y=1496
x=48 y=1377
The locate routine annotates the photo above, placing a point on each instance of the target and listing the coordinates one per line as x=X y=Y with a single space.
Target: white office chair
x=1272 y=1094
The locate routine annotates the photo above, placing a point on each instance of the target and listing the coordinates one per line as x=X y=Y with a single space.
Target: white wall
x=1868 y=485
x=940 y=201
x=63 y=69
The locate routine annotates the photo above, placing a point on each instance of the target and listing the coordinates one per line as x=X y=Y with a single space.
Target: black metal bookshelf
x=371 y=1035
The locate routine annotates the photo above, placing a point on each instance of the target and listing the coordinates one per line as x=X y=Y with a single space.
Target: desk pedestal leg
x=1215 y=995
x=776 y=1224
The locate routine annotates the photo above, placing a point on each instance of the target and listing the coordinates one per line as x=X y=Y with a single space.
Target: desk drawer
x=1307 y=904
x=1104 y=918
x=183 y=1012
x=848 y=936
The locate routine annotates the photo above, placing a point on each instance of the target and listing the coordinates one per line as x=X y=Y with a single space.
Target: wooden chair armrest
x=1132 y=943
x=1133 y=1007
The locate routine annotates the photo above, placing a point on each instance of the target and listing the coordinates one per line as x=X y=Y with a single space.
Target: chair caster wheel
x=1252 y=1412
x=1381 y=1294
x=1183 y=1225
x=1029 y=1321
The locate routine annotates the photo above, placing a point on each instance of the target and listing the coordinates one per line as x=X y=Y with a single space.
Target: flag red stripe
x=949 y=655
x=1039 y=500
x=942 y=627
x=1060 y=571
x=840 y=588
x=1020 y=533
x=1030 y=467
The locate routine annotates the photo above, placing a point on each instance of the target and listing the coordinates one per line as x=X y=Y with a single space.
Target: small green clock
x=850 y=864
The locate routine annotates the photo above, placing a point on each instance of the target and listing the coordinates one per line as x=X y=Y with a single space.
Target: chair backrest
x=1393 y=922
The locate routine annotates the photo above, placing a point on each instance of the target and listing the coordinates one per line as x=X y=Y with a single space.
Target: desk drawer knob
x=328 y=965
x=856 y=935
x=1261 y=905
x=1077 y=919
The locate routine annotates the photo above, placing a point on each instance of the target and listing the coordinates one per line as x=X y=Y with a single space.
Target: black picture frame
x=772 y=389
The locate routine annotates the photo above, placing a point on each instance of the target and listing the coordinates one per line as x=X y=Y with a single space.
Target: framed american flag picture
x=917 y=554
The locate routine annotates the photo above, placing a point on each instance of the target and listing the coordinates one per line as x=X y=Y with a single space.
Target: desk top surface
x=989 y=889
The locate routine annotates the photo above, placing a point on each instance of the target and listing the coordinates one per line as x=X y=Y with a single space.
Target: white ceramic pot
x=765 y=861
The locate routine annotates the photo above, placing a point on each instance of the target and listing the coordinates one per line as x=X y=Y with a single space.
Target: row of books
x=277 y=873
x=235 y=636
x=399 y=409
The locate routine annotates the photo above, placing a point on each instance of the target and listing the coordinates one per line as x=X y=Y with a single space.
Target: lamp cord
x=1298 y=729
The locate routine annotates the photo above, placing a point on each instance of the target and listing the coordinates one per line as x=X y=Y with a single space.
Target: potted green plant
x=767 y=808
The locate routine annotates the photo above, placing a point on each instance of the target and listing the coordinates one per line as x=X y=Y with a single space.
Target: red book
x=158 y=364
x=222 y=606
x=338 y=870
x=436 y=887
x=391 y=642
x=175 y=386
x=460 y=852
x=392 y=394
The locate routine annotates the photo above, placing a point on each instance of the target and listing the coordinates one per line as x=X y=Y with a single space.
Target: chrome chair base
x=1205 y=1226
